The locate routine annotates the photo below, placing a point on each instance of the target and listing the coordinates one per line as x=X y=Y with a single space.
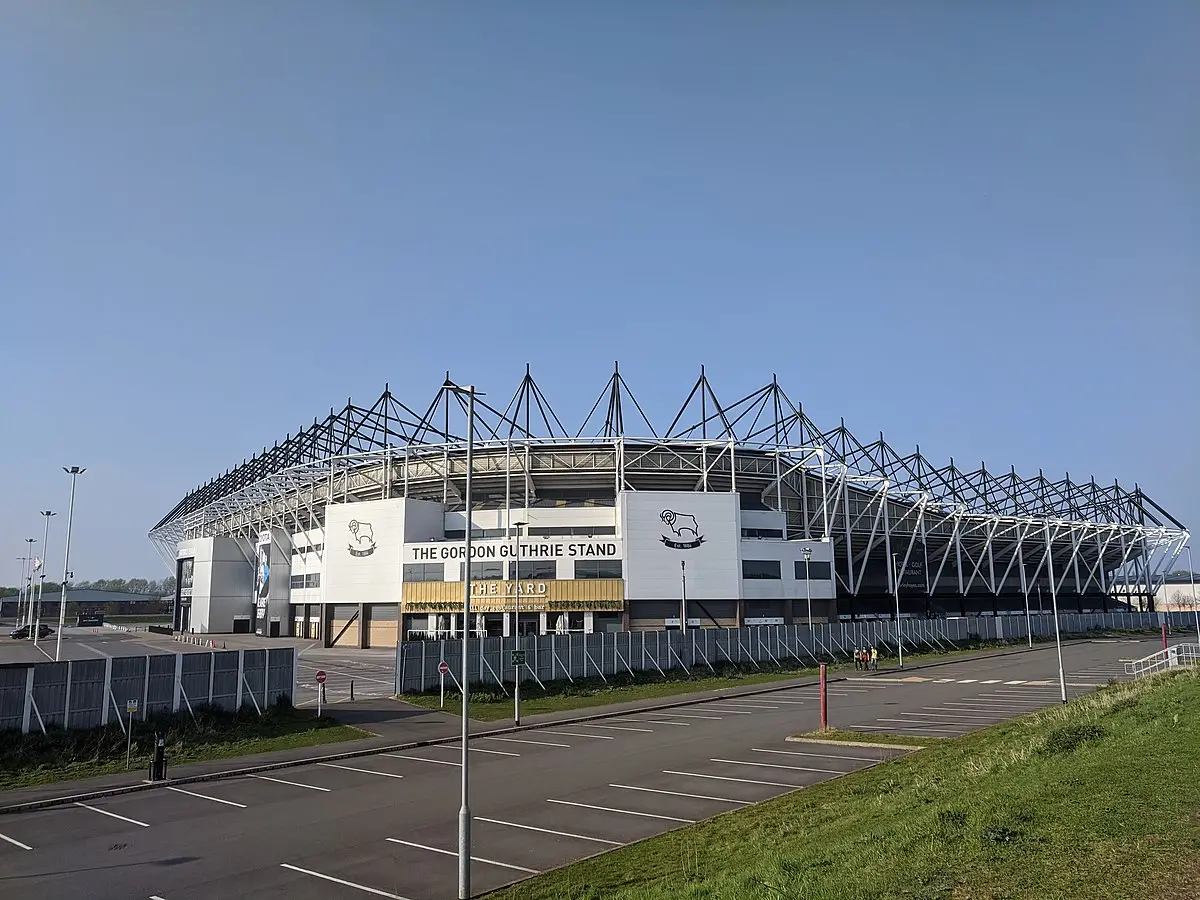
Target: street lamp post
x=682 y=599
x=37 y=624
x=33 y=560
x=1062 y=678
x=808 y=586
x=21 y=591
x=464 y=812
x=1192 y=579
x=896 y=583
x=516 y=624
x=74 y=472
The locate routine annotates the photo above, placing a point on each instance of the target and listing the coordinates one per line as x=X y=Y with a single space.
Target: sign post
x=443 y=668
x=131 y=707
x=320 y=690
x=518 y=660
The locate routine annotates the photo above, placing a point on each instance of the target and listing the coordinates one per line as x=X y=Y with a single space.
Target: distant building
x=112 y=603
x=1175 y=594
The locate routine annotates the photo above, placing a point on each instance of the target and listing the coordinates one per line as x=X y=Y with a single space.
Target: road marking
x=155 y=897
x=358 y=887
x=617 y=728
x=311 y=787
x=628 y=812
x=935 y=713
x=14 y=842
x=436 y=762
x=966 y=681
x=599 y=737
x=207 y=797
x=662 y=722
x=778 y=700
x=105 y=812
x=731 y=712
x=457 y=748
x=364 y=771
x=820 y=755
x=1014 y=682
x=676 y=715
x=908 y=724
x=730 y=778
x=631 y=787
x=582 y=837
x=753 y=707
x=745 y=762
x=490 y=862
x=944 y=681
x=991 y=681
x=521 y=741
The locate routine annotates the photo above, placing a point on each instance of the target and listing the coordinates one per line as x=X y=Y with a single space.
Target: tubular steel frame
x=867 y=498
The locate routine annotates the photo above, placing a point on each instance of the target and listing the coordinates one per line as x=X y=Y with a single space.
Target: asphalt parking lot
x=385 y=825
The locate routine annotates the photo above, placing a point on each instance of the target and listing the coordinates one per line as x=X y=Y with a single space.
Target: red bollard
x=1164 y=630
x=824 y=701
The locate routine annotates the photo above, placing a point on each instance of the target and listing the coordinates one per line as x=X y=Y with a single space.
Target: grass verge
x=859 y=737
x=489 y=704
x=1097 y=799
x=32 y=759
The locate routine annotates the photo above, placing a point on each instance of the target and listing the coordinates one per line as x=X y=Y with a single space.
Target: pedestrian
x=874 y=659
x=857 y=658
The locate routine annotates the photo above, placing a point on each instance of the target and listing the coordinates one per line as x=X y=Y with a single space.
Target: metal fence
x=86 y=693
x=571 y=656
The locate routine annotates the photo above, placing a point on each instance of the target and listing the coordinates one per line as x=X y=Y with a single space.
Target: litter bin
x=158 y=764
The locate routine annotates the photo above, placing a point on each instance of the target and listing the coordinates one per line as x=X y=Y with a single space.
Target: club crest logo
x=680 y=530
x=363 y=538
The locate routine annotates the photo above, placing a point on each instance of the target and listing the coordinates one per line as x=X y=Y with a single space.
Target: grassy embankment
x=489 y=704
x=1097 y=799
x=58 y=755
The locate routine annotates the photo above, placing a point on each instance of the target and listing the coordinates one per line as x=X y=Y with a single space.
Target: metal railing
x=1170 y=658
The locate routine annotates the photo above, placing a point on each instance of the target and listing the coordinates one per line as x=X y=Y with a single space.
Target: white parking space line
x=631 y=787
x=628 y=812
x=479 y=859
x=364 y=771
x=744 y=705
x=424 y=759
x=207 y=797
x=731 y=712
x=676 y=715
x=342 y=881
x=790 y=702
x=909 y=725
x=14 y=842
x=818 y=755
x=617 y=728
x=311 y=787
x=949 y=714
x=599 y=737
x=943 y=681
x=582 y=837
x=1014 y=682
x=991 y=681
x=155 y=897
x=457 y=748
x=105 y=812
x=730 y=778
x=764 y=765
x=522 y=741
x=661 y=722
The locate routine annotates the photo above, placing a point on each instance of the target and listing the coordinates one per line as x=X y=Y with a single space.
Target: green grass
x=33 y=759
x=1097 y=799
x=858 y=737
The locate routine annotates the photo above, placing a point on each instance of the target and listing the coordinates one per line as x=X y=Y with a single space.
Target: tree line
x=149 y=586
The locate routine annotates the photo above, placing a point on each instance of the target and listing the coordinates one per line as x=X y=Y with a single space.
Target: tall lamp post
x=1062 y=677
x=464 y=812
x=21 y=590
x=37 y=624
x=808 y=586
x=896 y=576
x=516 y=624
x=1192 y=579
x=74 y=472
x=33 y=561
x=682 y=599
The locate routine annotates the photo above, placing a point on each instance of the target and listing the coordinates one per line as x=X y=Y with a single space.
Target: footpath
x=395 y=725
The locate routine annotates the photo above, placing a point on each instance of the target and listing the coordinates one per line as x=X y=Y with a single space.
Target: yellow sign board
x=576 y=595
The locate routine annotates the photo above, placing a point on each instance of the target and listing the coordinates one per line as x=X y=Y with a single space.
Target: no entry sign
x=320 y=676
x=444 y=668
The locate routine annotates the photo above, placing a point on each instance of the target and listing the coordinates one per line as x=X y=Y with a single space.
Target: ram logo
x=684 y=531
x=364 y=538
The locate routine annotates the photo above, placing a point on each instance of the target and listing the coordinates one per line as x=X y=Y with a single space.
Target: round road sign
x=444 y=668
x=321 y=677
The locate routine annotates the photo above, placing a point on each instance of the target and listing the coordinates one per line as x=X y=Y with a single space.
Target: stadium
x=353 y=531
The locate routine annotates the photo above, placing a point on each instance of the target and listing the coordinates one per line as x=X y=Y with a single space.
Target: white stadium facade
x=354 y=530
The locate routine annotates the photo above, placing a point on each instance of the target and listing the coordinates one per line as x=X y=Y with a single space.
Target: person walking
x=874 y=659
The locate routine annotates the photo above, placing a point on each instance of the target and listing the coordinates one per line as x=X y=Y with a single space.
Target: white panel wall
x=377 y=536
x=652 y=570
x=223 y=582
x=424 y=520
x=564 y=516
x=788 y=553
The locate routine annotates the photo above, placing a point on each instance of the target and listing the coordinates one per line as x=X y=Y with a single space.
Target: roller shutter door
x=343 y=626
x=383 y=621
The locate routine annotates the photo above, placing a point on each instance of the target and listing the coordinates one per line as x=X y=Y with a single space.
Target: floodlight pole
x=74 y=472
x=896 y=576
x=516 y=625
x=682 y=599
x=1192 y=579
x=37 y=624
x=808 y=586
x=1062 y=678
x=464 y=812
x=29 y=583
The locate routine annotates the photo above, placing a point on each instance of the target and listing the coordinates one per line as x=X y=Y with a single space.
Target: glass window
x=597 y=568
x=297 y=581
x=313 y=580
x=541 y=570
x=762 y=533
x=817 y=571
x=768 y=569
x=482 y=571
x=423 y=572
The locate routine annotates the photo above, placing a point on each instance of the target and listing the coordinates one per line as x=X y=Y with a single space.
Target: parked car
x=21 y=633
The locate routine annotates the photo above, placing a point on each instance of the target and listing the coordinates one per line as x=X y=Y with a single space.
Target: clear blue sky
x=970 y=225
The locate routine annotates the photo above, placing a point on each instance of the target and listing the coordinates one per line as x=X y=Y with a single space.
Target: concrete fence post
x=28 y=700
x=107 y=690
x=67 y=698
x=241 y=675
x=178 y=682
x=146 y=689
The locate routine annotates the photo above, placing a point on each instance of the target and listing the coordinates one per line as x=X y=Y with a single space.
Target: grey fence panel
x=280 y=673
x=50 y=692
x=88 y=693
x=254 y=677
x=127 y=682
x=160 y=689
x=225 y=692
x=194 y=680
x=12 y=696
